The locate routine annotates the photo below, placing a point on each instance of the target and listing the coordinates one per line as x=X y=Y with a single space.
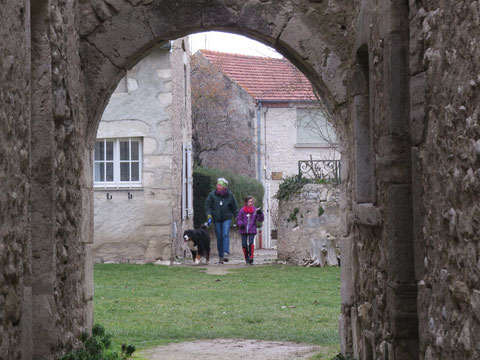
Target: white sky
x=230 y=43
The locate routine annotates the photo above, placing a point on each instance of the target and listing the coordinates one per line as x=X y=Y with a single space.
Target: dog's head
x=187 y=235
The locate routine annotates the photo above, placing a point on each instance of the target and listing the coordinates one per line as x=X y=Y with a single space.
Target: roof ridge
x=241 y=55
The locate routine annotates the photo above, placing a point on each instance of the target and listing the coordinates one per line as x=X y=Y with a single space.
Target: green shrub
x=205 y=180
x=291 y=185
x=97 y=347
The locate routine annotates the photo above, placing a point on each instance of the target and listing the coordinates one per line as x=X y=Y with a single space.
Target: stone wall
x=61 y=199
x=138 y=224
x=304 y=230
x=444 y=97
x=15 y=247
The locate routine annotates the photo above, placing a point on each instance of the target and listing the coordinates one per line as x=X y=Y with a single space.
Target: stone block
x=219 y=13
x=88 y=274
x=327 y=62
x=26 y=325
x=164 y=73
x=122 y=39
x=165 y=99
x=418 y=118
x=363 y=150
x=150 y=145
x=121 y=128
x=393 y=17
x=399 y=232
x=43 y=306
x=423 y=305
x=418 y=215
x=157 y=162
x=347 y=284
x=396 y=79
x=367 y=214
x=402 y=308
x=475 y=303
x=356 y=333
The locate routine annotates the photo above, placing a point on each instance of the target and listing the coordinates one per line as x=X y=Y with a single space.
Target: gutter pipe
x=259 y=138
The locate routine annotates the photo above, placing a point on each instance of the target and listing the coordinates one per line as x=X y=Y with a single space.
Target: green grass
x=149 y=305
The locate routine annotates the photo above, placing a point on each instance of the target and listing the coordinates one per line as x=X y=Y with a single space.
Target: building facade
x=288 y=123
x=142 y=161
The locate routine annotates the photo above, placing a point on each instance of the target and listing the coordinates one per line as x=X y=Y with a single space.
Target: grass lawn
x=149 y=305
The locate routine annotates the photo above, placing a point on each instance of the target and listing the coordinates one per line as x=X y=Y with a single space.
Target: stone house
x=142 y=161
x=287 y=122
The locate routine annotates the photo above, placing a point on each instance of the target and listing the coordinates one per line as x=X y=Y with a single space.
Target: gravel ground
x=233 y=349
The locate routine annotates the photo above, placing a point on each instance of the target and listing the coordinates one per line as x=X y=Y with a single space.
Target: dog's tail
x=204 y=226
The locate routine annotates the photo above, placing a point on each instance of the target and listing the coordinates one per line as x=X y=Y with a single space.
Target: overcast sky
x=230 y=43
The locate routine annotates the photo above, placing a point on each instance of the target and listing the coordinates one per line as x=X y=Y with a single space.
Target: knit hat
x=222 y=181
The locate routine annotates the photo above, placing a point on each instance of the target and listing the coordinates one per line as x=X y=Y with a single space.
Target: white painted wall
x=281 y=153
x=143 y=224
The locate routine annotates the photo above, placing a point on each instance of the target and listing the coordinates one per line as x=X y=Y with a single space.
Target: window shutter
x=184 y=182
x=189 y=187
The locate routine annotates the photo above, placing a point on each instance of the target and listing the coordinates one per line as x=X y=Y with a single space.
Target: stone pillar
x=397 y=177
x=42 y=186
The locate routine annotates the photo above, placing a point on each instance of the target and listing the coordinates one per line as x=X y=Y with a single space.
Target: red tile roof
x=265 y=79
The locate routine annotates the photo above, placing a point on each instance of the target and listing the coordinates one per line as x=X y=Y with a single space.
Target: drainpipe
x=259 y=138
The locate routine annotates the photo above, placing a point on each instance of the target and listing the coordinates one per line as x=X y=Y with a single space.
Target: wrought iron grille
x=320 y=169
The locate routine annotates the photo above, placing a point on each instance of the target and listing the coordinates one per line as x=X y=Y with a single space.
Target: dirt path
x=232 y=349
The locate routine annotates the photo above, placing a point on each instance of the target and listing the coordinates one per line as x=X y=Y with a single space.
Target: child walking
x=247 y=224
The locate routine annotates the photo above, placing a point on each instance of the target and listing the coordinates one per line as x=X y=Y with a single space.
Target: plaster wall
x=281 y=153
x=140 y=224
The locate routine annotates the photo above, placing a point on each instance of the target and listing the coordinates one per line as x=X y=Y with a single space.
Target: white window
x=118 y=162
x=313 y=128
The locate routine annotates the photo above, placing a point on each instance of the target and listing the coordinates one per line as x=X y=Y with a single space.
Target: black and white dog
x=198 y=241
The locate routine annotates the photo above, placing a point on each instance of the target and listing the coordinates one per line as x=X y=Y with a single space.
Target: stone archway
x=411 y=94
x=79 y=52
x=115 y=37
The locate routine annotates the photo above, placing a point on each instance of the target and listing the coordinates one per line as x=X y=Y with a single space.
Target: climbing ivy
x=291 y=185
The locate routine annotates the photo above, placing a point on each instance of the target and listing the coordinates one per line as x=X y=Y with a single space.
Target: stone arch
x=115 y=37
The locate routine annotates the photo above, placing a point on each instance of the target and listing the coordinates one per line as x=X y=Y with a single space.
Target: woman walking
x=220 y=208
x=247 y=224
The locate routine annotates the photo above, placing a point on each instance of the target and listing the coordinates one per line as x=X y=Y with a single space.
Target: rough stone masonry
x=401 y=78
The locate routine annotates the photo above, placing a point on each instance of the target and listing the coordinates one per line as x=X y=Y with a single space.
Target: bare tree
x=219 y=127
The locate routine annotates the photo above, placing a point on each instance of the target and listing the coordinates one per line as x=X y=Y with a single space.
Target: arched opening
x=103 y=142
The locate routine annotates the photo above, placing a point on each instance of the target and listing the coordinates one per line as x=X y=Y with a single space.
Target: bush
x=97 y=347
x=291 y=185
x=205 y=180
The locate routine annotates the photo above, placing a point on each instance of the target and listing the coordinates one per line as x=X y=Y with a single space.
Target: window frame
x=117 y=183
x=320 y=144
